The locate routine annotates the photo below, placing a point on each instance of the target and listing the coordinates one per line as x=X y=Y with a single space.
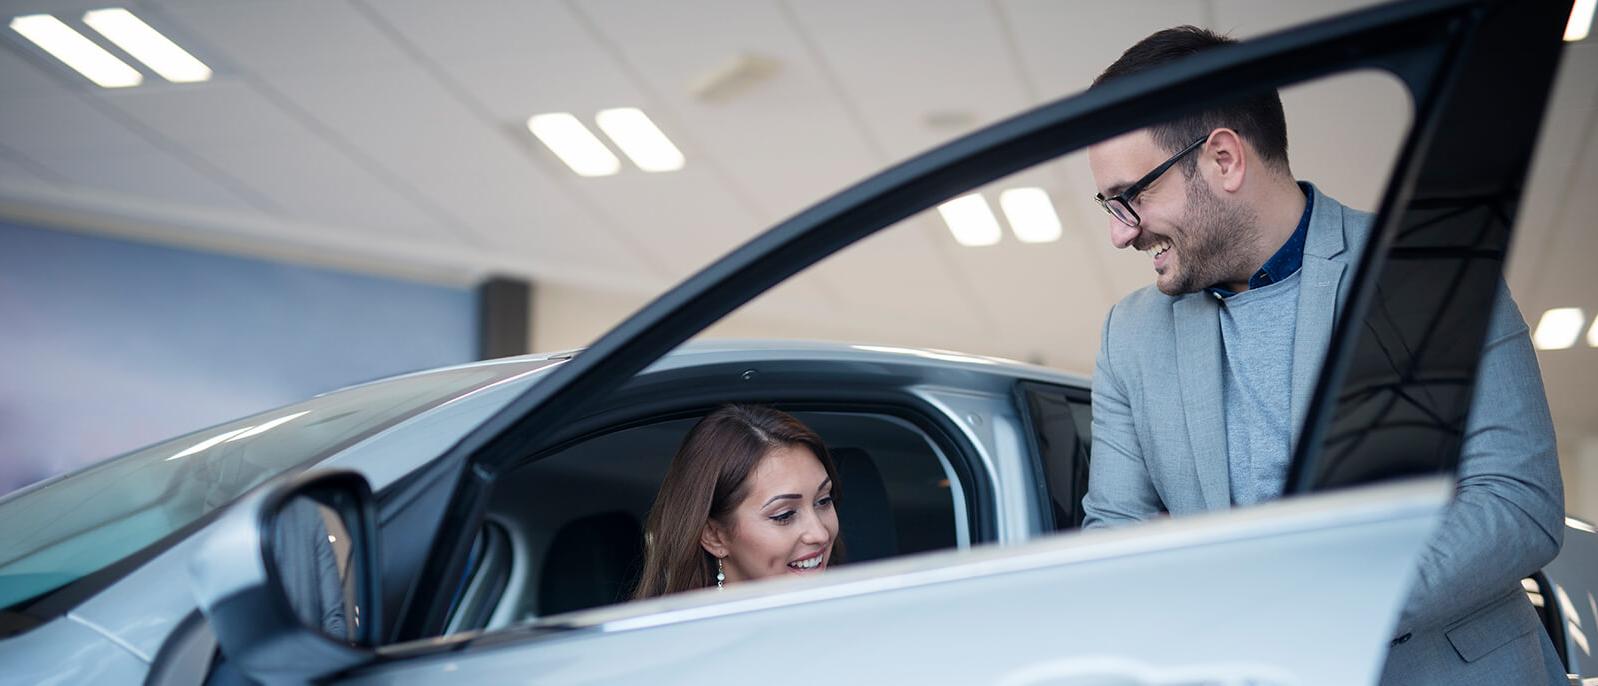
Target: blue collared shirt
x=1287 y=260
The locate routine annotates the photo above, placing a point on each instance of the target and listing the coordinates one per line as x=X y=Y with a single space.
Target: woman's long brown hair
x=707 y=479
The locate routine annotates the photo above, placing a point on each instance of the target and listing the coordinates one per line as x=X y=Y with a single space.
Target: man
x=1203 y=380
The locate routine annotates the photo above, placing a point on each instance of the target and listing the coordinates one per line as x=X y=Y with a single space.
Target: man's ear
x=1228 y=159
x=713 y=538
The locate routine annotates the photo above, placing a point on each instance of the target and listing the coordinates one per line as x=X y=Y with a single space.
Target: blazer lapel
x=1317 y=311
x=1198 y=364
x=1321 y=291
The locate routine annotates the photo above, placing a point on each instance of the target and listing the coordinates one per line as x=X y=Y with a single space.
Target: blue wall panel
x=107 y=345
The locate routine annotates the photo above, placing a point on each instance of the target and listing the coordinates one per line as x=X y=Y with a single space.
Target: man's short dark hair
x=1258 y=119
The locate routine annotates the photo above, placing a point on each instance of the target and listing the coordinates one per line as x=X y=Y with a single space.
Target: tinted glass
x=1061 y=441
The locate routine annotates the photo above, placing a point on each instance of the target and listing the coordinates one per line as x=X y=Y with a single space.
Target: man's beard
x=1213 y=248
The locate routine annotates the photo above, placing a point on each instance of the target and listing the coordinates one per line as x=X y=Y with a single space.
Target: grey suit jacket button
x=1400 y=640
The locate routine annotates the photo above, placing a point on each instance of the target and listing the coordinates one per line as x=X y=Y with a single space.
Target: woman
x=750 y=494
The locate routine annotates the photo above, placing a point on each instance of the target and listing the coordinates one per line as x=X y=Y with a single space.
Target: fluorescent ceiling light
x=970 y=220
x=574 y=144
x=147 y=45
x=640 y=139
x=1592 y=334
x=78 y=52
x=1559 y=328
x=1580 y=20
x=1030 y=214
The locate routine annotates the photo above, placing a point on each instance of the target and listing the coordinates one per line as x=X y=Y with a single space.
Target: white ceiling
x=387 y=135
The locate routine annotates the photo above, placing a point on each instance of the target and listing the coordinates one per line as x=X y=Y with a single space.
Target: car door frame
x=1427 y=44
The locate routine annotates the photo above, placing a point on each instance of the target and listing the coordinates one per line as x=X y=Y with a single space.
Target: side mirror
x=289 y=579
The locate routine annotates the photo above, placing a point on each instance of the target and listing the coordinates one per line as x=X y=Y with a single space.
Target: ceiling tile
x=786 y=140
x=899 y=68
x=1244 y=19
x=906 y=272
x=515 y=59
x=288 y=37
x=218 y=113
x=148 y=174
x=486 y=179
x=313 y=184
x=22 y=173
x=63 y=124
x=26 y=70
x=1063 y=46
x=1550 y=220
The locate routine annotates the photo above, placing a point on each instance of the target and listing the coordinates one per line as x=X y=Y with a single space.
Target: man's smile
x=1160 y=251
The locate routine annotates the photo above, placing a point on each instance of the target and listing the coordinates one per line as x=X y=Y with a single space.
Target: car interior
x=565 y=532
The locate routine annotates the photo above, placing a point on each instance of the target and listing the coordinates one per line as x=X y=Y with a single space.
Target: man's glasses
x=1120 y=204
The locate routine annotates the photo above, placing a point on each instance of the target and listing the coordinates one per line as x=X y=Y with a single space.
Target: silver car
x=482 y=520
x=937 y=451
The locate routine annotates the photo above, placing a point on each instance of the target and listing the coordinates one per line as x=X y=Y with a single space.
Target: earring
x=721 y=575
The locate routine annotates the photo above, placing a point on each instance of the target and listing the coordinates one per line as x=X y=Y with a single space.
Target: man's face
x=1188 y=232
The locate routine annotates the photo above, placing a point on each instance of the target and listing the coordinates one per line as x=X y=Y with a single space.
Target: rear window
x=64 y=530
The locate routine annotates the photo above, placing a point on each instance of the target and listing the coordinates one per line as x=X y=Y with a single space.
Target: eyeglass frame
x=1130 y=193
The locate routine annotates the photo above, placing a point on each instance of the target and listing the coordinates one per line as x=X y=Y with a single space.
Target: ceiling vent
x=734 y=78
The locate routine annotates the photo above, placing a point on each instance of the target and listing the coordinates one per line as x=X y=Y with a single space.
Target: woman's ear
x=713 y=538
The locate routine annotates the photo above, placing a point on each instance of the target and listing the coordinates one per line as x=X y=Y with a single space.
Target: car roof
x=755 y=350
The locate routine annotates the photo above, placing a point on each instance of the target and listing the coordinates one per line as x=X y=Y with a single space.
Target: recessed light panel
x=146 y=44
x=1559 y=328
x=73 y=49
x=1031 y=215
x=1580 y=20
x=638 y=137
x=574 y=144
x=971 y=220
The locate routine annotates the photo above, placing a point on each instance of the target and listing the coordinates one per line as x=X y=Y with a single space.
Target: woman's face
x=786 y=523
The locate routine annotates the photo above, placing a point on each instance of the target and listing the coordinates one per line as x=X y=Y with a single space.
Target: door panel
x=1224 y=599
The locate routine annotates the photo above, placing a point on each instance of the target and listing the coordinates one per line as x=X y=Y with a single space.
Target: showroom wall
x=109 y=344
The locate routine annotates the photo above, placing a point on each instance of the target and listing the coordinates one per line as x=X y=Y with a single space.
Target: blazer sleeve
x=1507 y=517
x=1120 y=490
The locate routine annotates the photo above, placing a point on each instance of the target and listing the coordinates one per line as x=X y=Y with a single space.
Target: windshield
x=64 y=530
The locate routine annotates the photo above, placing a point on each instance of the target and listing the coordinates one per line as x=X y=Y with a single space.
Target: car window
x=73 y=526
x=1059 y=425
x=577 y=515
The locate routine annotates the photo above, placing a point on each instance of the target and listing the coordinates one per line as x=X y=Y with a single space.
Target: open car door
x=1301 y=591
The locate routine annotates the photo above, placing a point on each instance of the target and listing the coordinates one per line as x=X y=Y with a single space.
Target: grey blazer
x=1159 y=445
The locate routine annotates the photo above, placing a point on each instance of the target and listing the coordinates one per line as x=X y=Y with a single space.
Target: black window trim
x=1035 y=458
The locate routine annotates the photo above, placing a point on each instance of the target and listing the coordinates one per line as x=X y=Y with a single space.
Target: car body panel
x=992 y=422
x=69 y=651
x=142 y=609
x=1066 y=609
